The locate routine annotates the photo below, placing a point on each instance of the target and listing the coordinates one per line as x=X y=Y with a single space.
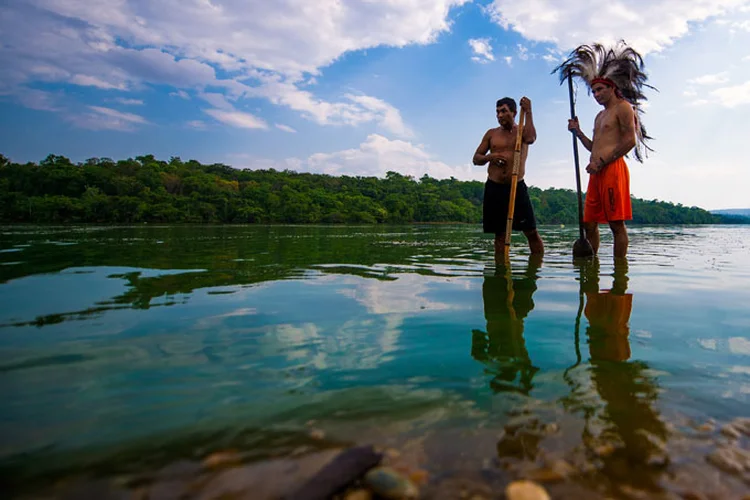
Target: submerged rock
x=338 y=474
x=555 y=471
x=222 y=459
x=388 y=483
x=358 y=494
x=730 y=459
x=525 y=490
x=730 y=431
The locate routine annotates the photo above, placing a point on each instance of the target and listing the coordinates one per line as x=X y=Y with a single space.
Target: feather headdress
x=620 y=67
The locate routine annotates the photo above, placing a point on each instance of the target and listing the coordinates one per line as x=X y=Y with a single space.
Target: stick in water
x=514 y=183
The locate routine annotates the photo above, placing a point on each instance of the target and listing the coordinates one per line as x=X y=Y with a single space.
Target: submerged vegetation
x=144 y=189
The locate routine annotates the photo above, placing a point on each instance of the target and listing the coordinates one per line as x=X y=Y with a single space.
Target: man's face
x=602 y=93
x=505 y=116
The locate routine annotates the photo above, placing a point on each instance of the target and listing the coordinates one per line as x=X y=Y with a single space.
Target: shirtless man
x=608 y=193
x=501 y=142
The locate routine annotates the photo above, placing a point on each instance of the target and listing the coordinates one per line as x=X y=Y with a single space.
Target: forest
x=145 y=189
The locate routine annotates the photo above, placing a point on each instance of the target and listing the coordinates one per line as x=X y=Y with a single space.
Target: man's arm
x=480 y=156
x=529 y=131
x=574 y=126
x=626 y=138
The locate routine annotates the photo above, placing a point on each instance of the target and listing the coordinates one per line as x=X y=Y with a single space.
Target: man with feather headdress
x=615 y=77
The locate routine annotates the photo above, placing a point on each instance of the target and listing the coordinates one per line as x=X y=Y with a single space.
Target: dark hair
x=508 y=101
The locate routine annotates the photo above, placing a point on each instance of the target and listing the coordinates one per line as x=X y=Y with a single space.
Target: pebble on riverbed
x=525 y=490
x=388 y=483
x=730 y=459
x=557 y=470
x=222 y=459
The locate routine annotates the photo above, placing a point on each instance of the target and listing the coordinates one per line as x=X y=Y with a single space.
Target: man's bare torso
x=607 y=131
x=504 y=141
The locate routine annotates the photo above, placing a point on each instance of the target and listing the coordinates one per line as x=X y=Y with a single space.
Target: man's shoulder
x=624 y=106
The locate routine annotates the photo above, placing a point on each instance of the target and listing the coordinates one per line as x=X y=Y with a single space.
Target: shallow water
x=126 y=349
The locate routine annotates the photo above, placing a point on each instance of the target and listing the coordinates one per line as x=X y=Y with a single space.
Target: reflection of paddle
x=584 y=272
x=576 y=332
x=582 y=246
x=514 y=183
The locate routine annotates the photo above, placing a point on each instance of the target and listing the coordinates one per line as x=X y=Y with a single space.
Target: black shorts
x=495 y=208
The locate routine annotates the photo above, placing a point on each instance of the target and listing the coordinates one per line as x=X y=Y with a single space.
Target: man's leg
x=535 y=242
x=592 y=234
x=621 y=238
x=499 y=247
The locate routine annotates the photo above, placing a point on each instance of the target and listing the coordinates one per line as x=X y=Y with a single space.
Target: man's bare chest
x=502 y=140
x=605 y=123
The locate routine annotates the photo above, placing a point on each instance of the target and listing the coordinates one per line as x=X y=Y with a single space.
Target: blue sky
x=363 y=87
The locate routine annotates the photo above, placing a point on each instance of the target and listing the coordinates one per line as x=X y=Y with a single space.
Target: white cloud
x=509 y=60
x=197 y=124
x=37 y=99
x=129 y=102
x=237 y=118
x=378 y=110
x=711 y=79
x=523 y=52
x=217 y=100
x=285 y=128
x=733 y=96
x=181 y=94
x=739 y=345
x=375 y=157
x=186 y=41
x=647 y=25
x=92 y=81
x=128 y=117
x=101 y=118
x=482 y=50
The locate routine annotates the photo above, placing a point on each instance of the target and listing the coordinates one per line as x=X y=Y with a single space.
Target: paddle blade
x=582 y=248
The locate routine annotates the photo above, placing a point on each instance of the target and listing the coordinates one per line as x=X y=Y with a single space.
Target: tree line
x=144 y=189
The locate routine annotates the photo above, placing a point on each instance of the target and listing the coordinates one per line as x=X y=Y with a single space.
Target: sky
x=362 y=87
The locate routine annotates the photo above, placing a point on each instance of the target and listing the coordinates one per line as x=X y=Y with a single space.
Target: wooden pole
x=514 y=184
x=581 y=247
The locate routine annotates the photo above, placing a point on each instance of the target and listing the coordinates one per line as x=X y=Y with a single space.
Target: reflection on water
x=625 y=431
x=125 y=350
x=502 y=348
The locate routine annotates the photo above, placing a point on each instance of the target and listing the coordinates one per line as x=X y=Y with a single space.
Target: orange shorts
x=608 y=194
x=609 y=328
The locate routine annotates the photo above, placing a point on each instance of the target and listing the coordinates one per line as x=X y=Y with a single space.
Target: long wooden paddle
x=514 y=184
x=582 y=247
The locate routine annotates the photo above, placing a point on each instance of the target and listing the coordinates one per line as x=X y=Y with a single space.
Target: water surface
x=129 y=348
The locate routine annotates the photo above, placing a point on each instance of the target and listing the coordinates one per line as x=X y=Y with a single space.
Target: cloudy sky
x=361 y=87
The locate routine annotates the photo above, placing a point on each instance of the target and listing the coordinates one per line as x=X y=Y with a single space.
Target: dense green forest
x=144 y=189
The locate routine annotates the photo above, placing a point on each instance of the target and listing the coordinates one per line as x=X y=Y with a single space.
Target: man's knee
x=591 y=226
x=617 y=226
x=532 y=235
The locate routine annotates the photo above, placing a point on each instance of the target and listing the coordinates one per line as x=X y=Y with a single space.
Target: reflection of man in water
x=608 y=312
x=502 y=348
x=627 y=433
